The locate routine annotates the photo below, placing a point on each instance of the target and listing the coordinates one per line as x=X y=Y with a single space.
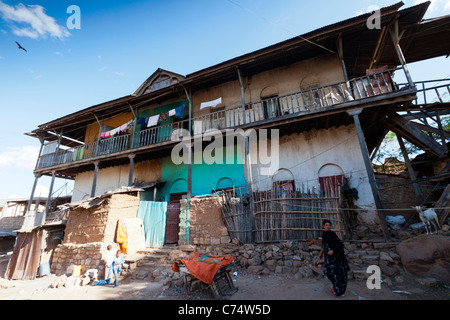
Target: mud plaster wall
x=90 y=231
x=206 y=225
x=397 y=192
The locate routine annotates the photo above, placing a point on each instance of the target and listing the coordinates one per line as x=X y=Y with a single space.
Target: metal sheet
x=25 y=258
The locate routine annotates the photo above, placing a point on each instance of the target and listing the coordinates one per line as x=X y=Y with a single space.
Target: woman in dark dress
x=335 y=262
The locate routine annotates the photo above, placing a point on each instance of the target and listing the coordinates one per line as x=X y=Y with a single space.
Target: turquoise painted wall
x=205 y=177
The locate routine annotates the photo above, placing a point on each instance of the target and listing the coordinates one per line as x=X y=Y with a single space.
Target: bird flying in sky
x=20 y=47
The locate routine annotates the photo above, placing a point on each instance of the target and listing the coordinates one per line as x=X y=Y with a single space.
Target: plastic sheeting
x=154 y=215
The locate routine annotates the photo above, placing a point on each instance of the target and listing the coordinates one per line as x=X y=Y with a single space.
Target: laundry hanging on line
x=153 y=121
x=147 y=122
x=123 y=129
x=177 y=112
x=211 y=104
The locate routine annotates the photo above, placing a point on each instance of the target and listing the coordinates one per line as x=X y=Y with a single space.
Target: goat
x=428 y=217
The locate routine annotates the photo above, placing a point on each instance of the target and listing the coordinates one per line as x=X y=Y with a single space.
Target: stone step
x=385 y=245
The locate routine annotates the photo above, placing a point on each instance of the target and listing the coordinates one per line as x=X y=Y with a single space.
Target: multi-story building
x=327 y=98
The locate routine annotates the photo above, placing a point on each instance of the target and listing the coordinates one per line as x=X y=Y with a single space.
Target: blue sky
x=121 y=43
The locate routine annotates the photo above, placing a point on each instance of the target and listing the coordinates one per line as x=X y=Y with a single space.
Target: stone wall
x=184 y=223
x=206 y=224
x=88 y=256
x=298 y=258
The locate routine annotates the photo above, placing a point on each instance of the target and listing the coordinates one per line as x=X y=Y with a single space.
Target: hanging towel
x=153 y=121
x=107 y=134
x=179 y=112
x=114 y=132
x=172 y=113
x=121 y=235
x=102 y=135
x=124 y=128
x=212 y=104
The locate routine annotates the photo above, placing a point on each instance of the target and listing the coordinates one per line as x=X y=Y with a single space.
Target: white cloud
x=31 y=21
x=19 y=157
x=58 y=53
x=120 y=74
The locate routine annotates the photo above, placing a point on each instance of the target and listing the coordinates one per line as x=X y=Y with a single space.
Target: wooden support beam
x=396 y=37
x=427 y=128
x=369 y=169
x=131 y=171
x=189 y=180
x=442 y=206
x=94 y=181
x=33 y=189
x=49 y=198
x=340 y=47
x=410 y=132
x=241 y=83
x=410 y=170
x=441 y=133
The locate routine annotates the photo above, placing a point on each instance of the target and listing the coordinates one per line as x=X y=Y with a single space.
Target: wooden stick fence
x=281 y=215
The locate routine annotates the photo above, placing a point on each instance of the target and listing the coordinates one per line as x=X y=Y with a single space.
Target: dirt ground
x=250 y=287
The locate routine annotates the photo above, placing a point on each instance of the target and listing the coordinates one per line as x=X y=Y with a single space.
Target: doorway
x=173 y=218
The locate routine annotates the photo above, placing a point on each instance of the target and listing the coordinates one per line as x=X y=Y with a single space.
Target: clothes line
x=123 y=129
x=148 y=122
x=145 y=122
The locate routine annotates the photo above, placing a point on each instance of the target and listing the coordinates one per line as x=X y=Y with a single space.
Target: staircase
x=154 y=263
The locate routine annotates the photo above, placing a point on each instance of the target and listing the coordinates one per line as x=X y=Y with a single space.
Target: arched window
x=331 y=177
x=283 y=181
x=269 y=97
x=178 y=186
x=224 y=184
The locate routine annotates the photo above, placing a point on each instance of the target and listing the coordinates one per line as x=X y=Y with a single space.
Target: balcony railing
x=432 y=91
x=299 y=103
x=302 y=102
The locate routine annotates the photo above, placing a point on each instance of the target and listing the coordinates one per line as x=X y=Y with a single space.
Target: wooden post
x=133 y=129
x=189 y=190
x=341 y=57
x=441 y=130
x=396 y=37
x=410 y=170
x=33 y=189
x=369 y=169
x=94 y=182
x=241 y=83
x=131 y=171
x=49 y=198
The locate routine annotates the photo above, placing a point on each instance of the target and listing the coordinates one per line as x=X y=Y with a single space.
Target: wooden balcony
x=354 y=93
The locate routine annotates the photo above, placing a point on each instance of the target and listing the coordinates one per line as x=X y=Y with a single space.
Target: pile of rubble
x=71 y=281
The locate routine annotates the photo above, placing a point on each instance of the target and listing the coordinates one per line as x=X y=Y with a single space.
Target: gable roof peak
x=158 y=80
